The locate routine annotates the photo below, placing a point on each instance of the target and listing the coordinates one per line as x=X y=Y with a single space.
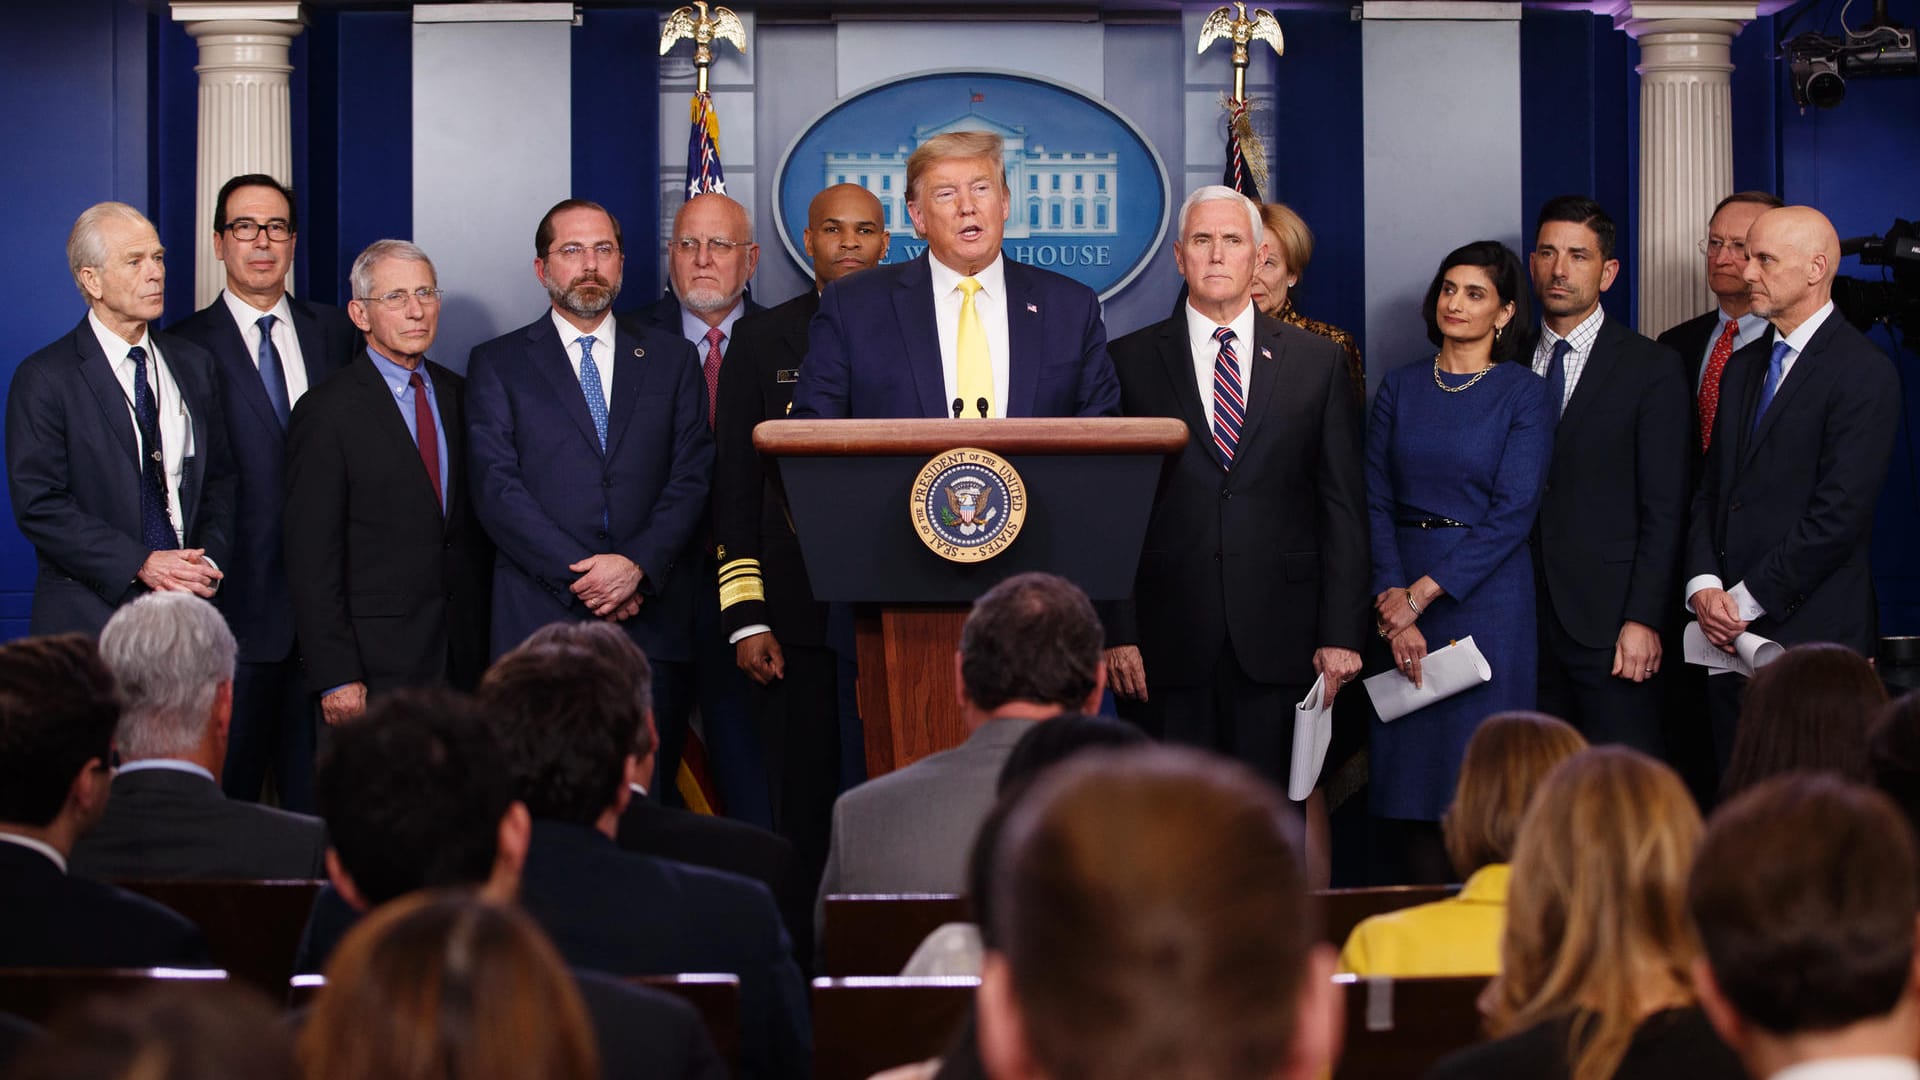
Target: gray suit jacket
x=911 y=830
x=164 y=823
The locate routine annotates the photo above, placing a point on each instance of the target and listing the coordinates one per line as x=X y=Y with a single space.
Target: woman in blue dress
x=1456 y=454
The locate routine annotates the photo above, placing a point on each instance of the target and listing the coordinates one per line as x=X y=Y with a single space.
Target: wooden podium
x=1089 y=489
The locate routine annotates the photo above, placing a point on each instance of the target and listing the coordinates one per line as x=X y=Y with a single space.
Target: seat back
x=40 y=994
x=1343 y=909
x=716 y=997
x=1397 y=1028
x=876 y=933
x=253 y=927
x=862 y=1025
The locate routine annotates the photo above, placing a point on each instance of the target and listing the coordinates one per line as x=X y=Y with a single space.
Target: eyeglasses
x=398 y=298
x=247 y=229
x=1713 y=247
x=718 y=248
x=575 y=252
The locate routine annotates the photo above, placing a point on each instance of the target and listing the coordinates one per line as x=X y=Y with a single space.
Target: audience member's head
x=447 y=986
x=569 y=720
x=200 y=1032
x=417 y=794
x=172 y=657
x=1508 y=756
x=1032 y=647
x=610 y=643
x=58 y=710
x=1153 y=921
x=1809 y=710
x=1596 y=913
x=1893 y=753
x=1804 y=893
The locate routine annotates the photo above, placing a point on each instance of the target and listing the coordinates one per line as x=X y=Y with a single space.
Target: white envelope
x=1312 y=733
x=1444 y=673
x=1750 y=652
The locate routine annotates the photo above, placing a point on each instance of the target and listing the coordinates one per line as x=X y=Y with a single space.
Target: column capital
x=1639 y=18
x=279 y=13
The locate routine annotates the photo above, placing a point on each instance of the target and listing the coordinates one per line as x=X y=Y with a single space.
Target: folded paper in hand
x=1750 y=652
x=1312 y=733
x=1444 y=673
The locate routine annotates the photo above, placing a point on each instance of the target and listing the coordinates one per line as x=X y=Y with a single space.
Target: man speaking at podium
x=962 y=331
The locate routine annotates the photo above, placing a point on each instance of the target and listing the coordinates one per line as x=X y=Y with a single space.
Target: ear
x=1608 y=271
x=753 y=258
x=886 y=243
x=1508 y=312
x=1720 y=1012
x=959 y=683
x=89 y=791
x=540 y=271
x=919 y=219
x=357 y=311
x=90 y=282
x=223 y=709
x=514 y=837
x=343 y=882
x=1091 y=706
x=629 y=776
x=643 y=768
x=1002 y=1033
x=1319 y=1020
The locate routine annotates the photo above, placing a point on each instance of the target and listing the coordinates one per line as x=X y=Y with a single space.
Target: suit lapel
x=1025 y=341
x=384 y=410
x=1264 y=359
x=632 y=368
x=198 y=397
x=306 y=329
x=1802 y=371
x=107 y=392
x=1176 y=363
x=1601 y=361
x=546 y=355
x=920 y=337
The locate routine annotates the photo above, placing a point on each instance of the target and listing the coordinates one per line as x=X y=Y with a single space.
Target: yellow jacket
x=1458 y=936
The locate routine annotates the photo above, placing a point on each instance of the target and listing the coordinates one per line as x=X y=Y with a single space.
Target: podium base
x=909 y=703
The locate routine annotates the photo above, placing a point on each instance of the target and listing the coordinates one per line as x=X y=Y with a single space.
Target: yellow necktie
x=975 y=368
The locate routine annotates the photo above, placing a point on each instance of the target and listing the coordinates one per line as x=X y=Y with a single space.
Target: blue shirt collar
x=694 y=328
x=397 y=376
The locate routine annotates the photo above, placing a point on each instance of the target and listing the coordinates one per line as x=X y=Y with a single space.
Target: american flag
x=1238 y=175
x=703 y=149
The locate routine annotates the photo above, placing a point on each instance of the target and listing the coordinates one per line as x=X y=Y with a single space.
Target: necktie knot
x=139 y=357
x=714 y=337
x=969 y=286
x=585 y=341
x=1224 y=335
x=1780 y=351
x=265 y=323
x=1560 y=350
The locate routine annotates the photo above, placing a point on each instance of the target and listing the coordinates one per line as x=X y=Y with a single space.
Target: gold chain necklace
x=1481 y=374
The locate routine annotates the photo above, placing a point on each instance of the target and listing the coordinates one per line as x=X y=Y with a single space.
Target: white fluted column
x=245 y=113
x=1686 y=144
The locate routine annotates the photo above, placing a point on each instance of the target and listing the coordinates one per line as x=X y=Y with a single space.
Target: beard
x=707 y=301
x=576 y=298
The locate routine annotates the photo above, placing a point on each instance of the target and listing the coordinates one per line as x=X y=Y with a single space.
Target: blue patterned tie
x=590 y=386
x=1557 y=375
x=1776 y=370
x=1229 y=400
x=272 y=375
x=156 y=527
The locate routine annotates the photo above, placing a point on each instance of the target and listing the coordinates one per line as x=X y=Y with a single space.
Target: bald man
x=777 y=629
x=1781 y=533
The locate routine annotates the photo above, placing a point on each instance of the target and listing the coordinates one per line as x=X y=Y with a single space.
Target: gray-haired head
x=169 y=652
x=1223 y=193
x=361 y=276
x=86 y=247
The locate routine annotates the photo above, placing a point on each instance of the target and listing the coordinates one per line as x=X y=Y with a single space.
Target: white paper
x=1750 y=652
x=1444 y=673
x=1312 y=734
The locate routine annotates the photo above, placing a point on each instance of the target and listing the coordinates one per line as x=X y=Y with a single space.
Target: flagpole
x=1246 y=156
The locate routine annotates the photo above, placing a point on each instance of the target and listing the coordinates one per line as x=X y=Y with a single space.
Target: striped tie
x=1229 y=400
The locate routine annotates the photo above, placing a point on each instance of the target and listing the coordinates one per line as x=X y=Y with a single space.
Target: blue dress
x=1478 y=456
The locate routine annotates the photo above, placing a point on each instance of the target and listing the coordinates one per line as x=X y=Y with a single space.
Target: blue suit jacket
x=873 y=350
x=254 y=593
x=550 y=497
x=73 y=471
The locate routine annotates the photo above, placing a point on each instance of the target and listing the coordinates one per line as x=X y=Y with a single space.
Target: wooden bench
x=876 y=933
x=862 y=1025
x=252 y=927
x=1343 y=909
x=40 y=994
x=1397 y=1028
x=716 y=998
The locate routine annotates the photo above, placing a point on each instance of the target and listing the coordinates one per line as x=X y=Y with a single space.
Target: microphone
x=982 y=406
x=958 y=405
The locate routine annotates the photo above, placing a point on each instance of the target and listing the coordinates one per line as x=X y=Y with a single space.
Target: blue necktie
x=1557 y=375
x=1776 y=370
x=1229 y=400
x=590 y=387
x=272 y=376
x=156 y=527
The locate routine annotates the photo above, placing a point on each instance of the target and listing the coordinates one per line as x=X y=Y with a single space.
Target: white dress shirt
x=1580 y=341
x=285 y=341
x=603 y=358
x=176 y=428
x=165 y=765
x=990 y=303
x=1852 y=1068
x=40 y=846
x=1202 y=348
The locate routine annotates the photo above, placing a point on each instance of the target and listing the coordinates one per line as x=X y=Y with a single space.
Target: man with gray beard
x=591 y=462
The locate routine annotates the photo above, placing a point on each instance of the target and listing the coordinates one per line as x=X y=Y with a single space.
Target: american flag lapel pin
x=1034 y=308
x=1264 y=351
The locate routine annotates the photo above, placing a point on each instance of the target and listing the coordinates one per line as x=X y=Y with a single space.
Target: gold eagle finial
x=703 y=29
x=1237 y=26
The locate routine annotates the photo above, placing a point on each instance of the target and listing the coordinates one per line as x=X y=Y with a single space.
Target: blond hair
x=1507 y=758
x=1287 y=232
x=953 y=146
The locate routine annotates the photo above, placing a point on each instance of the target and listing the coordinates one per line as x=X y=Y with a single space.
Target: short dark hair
x=1762 y=198
x=1033 y=637
x=1579 y=210
x=1810 y=709
x=613 y=645
x=568 y=719
x=58 y=709
x=413 y=793
x=543 y=233
x=254 y=180
x=1509 y=281
x=1817 y=934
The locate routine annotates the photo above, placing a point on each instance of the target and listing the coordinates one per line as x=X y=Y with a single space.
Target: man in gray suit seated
x=173 y=658
x=1030 y=650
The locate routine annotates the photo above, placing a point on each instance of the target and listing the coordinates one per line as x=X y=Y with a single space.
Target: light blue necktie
x=590 y=386
x=272 y=375
x=1776 y=370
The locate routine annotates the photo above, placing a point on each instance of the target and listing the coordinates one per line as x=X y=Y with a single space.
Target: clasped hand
x=609 y=585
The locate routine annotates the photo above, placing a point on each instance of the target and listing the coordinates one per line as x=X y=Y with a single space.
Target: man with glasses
x=386 y=563
x=268 y=349
x=592 y=458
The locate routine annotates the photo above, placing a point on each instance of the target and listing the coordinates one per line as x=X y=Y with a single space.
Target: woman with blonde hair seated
x=1507 y=758
x=1596 y=966
x=446 y=986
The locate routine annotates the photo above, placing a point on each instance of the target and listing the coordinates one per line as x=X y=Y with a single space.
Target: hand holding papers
x=1444 y=673
x=1312 y=732
x=1750 y=652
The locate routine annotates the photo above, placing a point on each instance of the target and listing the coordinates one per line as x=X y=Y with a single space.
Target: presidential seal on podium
x=968 y=505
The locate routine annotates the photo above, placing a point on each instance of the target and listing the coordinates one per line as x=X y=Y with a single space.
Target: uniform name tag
x=787 y=375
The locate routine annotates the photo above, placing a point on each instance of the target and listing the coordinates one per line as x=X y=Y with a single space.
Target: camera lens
x=1825 y=89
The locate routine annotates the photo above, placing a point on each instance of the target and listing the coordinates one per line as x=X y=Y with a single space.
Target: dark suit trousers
x=726 y=716
x=1576 y=683
x=1232 y=715
x=272 y=732
x=1723 y=716
x=799 y=720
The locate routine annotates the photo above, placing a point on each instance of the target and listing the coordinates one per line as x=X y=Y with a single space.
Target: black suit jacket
x=1690 y=340
x=1788 y=507
x=750 y=519
x=1268 y=558
x=625 y=914
x=386 y=589
x=1614 y=510
x=165 y=823
x=51 y=919
x=73 y=471
x=253 y=595
x=664 y=314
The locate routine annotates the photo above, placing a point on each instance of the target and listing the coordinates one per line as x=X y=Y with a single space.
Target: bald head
x=711 y=255
x=846 y=232
x=1791 y=256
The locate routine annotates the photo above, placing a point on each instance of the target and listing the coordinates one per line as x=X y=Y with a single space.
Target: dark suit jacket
x=1614 y=510
x=1268 y=558
x=749 y=507
x=625 y=914
x=253 y=595
x=165 y=823
x=386 y=589
x=1690 y=339
x=51 y=919
x=73 y=471
x=664 y=314
x=1788 y=507
x=874 y=350
x=1673 y=1044
x=550 y=497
